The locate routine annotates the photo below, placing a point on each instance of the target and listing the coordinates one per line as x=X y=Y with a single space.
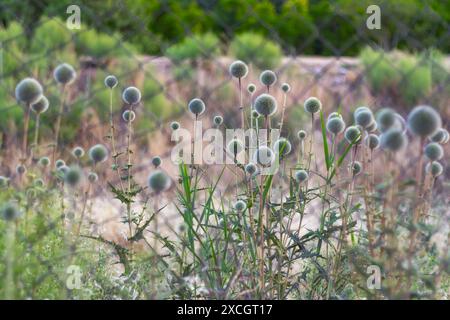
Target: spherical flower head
x=28 y=91
x=434 y=168
x=372 y=141
x=301 y=176
x=238 y=69
x=78 y=152
x=21 y=169
x=251 y=169
x=285 y=87
x=362 y=108
x=265 y=105
x=385 y=119
x=446 y=138
x=3 y=182
x=218 y=120
x=111 y=81
x=131 y=95
x=128 y=116
x=439 y=136
x=264 y=156
x=156 y=161
x=98 y=153
x=62 y=171
x=312 y=105
x=334 y=115
x=301 y=134
x=73 y=176
x=44 y=161
x=372 y=127
x=159 y=181
x=235 y=147
x=282 y=147
x=10 y=212
x=268 y=78
x=92 y=177
x=356 y=168
x=59 y=163
x=336 y=125
x=64 y=74
x=251 y=88
x=196 y=106
x=240 y=206
x=394 y=140
x=434 y=151
x=424 y=121
x=38 y=183
x=364 y=118
x=40 y=106
x=255 y=114
x=174 y=125
x=352 y=134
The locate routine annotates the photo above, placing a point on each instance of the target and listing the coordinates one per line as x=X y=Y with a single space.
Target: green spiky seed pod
x=439 y=136
x=128 y=115
x=285 y=87
x=98 y=153
x=251 y=169
x=238 y=69
x=312 y=105
x=64 y=74
x=352 y=134
x=92 y=177
x=268 y=78
x=21 y=169
x=424 y=121
x=282 y=147
x=393 y=140
x=73 y=176
x=235 y=147
x=10 y=212
x=28 y=91
x=44 y=161
x=385 y=119
x=174 y=125
x=38 y=183
x=356 y=168
x=264 y=156
x=156 y=161
x=301 y=176
x=435 y=168
x=196 y=106
x=372 y=141
x=40 y=106
x=218 y=120
x=336 y=125
x=78 y=152
x=159 y=181
x=240 y=206
x=3 y=182
x=434 y=151
x=111 y=81
x=131 y=95
x=251 y=88
x=301 y=134
x=265 y=105
x=59 y=163
x=364 y=118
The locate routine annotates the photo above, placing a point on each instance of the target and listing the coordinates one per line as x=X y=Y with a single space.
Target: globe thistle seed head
x=92 y=177
x=301 y=176
x=64 y=74
x=434 y=151
x=362 y=108
x=439 y=136
x=128 y=115
x=301 y=134
x=40 y=106
x=174 y=125
x=268 y=78
x=98 y=153
x=255 y=114
x=21 y=169
x=156 y=161
x=10 y=212
x=38 y=183
x=235 y=147
x=356 y=168
x=372 y=127
x=285 y=87
x=196 y=106
x=312 y=105
x=73 y=176
x=62 y=170
x=44 y=161
x=78 y=152
x=364 y=118
x=251 y=169
x=385 y=119
x=240 y=206
x=334 y=115
x=393 y=140
x=3 y=182
x=265 y=105
x=59 y=163
x=372 y=141
x=28 y=91
x=424 y=121
x=251 y=88
x=111 y=81
x=159 y=181
x=352 y=134
x=434 y=168
x=238 y=69
x=446 y=138
x=336 y=125
x=282 y=147
x=218 y=120
x=264 y=156
x=131 y=95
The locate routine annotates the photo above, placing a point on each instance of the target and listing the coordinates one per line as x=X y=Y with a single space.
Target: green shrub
x=198 y=46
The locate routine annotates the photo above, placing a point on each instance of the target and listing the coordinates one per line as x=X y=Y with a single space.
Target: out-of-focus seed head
x=73 y=176
x=385 y=119
x=334 y=115
x=439 y=136
x=251 y=169
x=78 y=152
x=10 y=212
x=238 y=69
x=21 y=169
x=40 y=106
x=156 y=161
x=372 y=141
x=218 y=120
x=64 y=74
x=38 y=183
x=372 y=127
x=3 y=182
x=235 y=147
x=111 y=81
x=92 y=177
x=196 y=106
x=44 y=161
x=251 y=88
x=301 y=134
x=312 y=105
x=393 y=140
x=352 y=134
x=268 y=78
x=301 y=176
x=128 y=115
x=159 y=181
x=265 y=105
x=362 y=108
x=62 y=170
x=336 y=125
x=424 y=121
x=364 y=118
x=28 y=91
x=59 y=163
x=255 y=114
x=174 y=125
x=131 y=95
x=282 y=147
x=240 y=206
x=434 y=151
x=98 y=153
x=435 y=168
x=264 y=156
x=356 y=168
x=285 y=87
